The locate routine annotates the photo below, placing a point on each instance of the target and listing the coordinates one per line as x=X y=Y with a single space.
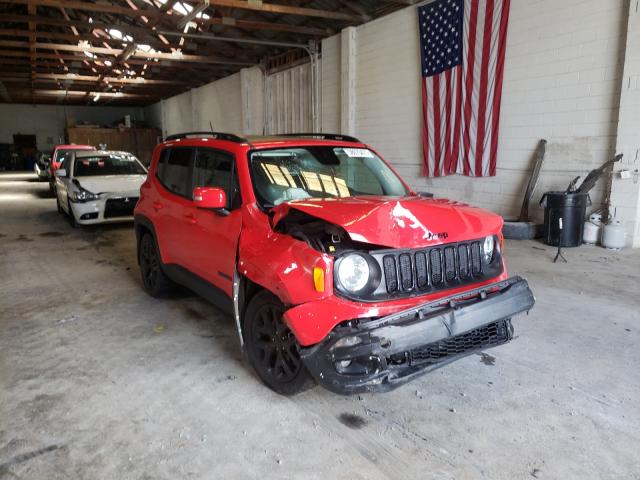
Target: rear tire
x=154 y=280
x=60 y=210
x=272 y=347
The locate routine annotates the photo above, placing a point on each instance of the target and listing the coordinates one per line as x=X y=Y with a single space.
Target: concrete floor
x=98 y=380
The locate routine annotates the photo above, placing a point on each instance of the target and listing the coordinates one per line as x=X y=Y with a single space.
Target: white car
x=41 y=165
x=99 y=186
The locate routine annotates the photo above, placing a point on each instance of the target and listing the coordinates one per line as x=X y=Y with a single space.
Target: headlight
x=488 y=248
x=84 y=196
x=353 y=272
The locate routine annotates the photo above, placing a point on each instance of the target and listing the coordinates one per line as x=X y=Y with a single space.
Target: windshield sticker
x=358 y=152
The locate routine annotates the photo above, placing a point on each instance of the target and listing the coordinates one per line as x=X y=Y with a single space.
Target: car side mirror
x=211 y=199
x=61 y=172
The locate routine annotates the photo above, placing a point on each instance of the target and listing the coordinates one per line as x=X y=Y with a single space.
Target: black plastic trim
x=199 y=285
x=377 y=340
x=229 y=137
x=322 y=136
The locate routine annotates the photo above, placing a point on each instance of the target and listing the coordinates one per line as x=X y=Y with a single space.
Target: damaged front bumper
x=382 y=354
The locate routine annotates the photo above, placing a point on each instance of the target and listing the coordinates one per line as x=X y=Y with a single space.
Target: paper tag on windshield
x=358 y=152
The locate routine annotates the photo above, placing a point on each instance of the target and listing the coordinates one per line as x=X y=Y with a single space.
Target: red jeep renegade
x=332 y=267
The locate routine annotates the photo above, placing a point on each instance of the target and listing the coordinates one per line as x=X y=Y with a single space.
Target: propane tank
x=592 y=227
x=613 y=235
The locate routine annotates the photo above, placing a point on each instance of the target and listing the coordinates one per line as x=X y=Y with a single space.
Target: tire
x=60 y=210
x=154 y=280
x=72 y=218
x=272 y=347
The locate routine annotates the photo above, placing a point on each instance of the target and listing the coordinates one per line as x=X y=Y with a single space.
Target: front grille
x=119 y=207
x=411 y=271
x=488 y=336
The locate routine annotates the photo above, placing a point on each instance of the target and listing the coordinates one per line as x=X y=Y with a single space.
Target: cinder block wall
x=562 y=82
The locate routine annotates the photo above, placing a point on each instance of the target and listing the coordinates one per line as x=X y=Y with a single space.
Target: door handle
x=157 y=206
x=191 y=217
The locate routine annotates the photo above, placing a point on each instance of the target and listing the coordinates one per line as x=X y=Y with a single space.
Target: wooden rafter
x=71 y=45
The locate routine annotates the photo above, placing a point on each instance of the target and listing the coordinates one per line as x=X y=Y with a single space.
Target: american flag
x=462 y=44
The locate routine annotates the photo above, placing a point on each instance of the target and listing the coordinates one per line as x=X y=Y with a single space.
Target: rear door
x=212 y=237
x=174 y=173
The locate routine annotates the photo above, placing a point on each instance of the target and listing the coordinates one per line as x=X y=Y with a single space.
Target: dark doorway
x=25 y=149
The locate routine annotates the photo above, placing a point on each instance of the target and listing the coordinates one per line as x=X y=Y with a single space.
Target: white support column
x=348 y=81
x=625 y=192
x=252 y=97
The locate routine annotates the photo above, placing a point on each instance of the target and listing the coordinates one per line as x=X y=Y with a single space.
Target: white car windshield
x=107 y=165
x=290 y=174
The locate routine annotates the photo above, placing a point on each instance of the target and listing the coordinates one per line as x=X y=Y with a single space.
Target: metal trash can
x=564 y=218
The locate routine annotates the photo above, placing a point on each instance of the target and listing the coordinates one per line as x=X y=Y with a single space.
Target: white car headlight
x=353 y=272
x=84 y=196
x=488 y=248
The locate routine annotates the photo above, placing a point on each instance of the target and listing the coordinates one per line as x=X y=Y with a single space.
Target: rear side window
x=174 y=170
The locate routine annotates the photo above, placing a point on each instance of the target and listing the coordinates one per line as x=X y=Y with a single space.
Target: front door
x=213 y=237
x=174 y=172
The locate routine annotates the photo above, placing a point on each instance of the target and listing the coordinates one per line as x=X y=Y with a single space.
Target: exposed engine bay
x=319 y=234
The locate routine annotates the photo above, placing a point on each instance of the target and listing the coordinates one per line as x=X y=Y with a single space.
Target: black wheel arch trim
x=143 y=221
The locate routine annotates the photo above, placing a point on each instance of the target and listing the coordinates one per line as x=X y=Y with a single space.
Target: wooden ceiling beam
x=165 y=64
x=42 y=34
x=116 y=51
x=237 y=4
x=226 y=22
x=89 y=78
x=264 y=7
x=89 y=6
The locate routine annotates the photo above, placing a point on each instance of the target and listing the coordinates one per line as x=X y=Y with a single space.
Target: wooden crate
x=139 y=141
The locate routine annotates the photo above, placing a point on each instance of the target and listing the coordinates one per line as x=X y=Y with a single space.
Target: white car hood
x=112 y=183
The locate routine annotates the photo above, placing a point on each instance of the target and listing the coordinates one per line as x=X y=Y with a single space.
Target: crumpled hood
x=399 y=222
x=112 y=183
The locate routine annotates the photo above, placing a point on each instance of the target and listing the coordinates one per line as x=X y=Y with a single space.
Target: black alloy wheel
x=153 y=278
x=272 y=346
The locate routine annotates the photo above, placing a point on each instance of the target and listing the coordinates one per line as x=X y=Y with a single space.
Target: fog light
x=348 y=342
x=366 y=365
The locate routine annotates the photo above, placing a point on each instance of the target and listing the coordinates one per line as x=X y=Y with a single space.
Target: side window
x=162 y=163
x=65 y=163
x=214 y=168
x=174 y=170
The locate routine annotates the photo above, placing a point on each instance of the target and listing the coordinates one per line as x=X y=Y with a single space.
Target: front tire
x=154 y=280
x=272 y=347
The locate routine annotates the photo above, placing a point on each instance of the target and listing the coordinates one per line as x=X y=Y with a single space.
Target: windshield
x=61 y=153
x=289 y=174
x=108 y=165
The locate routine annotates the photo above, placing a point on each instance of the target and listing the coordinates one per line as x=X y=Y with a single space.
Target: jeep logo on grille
x=437 y=236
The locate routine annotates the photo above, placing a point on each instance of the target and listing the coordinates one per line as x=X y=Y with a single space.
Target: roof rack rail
x=229 y=137
x=323 y=136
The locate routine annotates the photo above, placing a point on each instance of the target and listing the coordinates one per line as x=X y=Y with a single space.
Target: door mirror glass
x=61 y=172
x=210 y=198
